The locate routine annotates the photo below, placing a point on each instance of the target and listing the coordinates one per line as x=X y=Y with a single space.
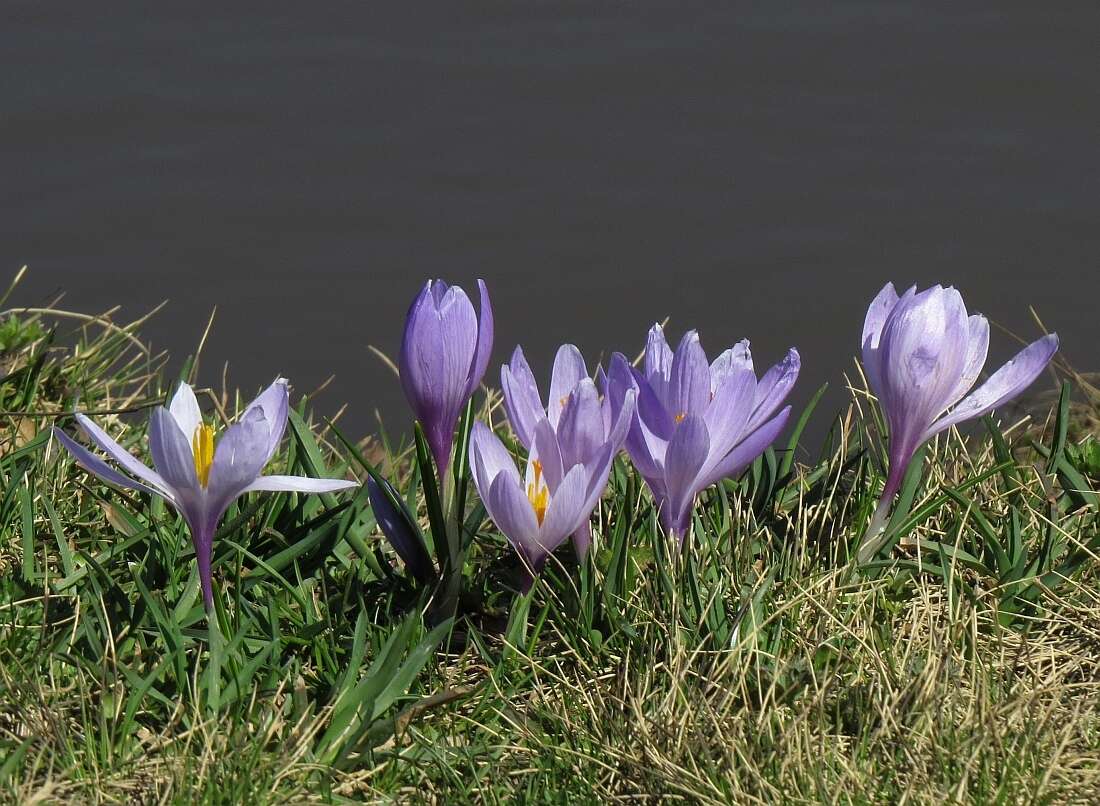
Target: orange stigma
x=538 y=493
x=680 y=417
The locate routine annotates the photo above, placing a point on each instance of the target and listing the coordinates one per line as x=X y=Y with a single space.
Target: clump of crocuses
x=444 y=354
x=571 y=443
x=579 y=417
x=922 y=354
x=697 y=423
x=198 y=474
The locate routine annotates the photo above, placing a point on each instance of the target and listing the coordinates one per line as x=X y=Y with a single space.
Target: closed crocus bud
x=444 y=353
x=923 y=354
x=396 y=523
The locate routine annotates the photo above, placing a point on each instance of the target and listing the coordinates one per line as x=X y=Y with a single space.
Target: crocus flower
x=536 y=513
x=922 y=355
x=444 y=354
x=397 y=525
x=697 y=423
x=580 y=418
x=199 y=478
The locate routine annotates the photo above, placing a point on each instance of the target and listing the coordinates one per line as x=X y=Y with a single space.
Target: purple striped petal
x=511 y=511
x=735 y=462
x=687 y=453
x=737 y=357
x=977 y=349
x=565 y=511
x=728 y=413
x=171 y=451
x=1003 y=385
x=522 y=402
x=489 y=459
x=274 y=402
x=121 y=455
x=689 y=380
x=875 y=320
x=569 y=370
x=657 y=366
x=548 y=454
x=239 y=457
x=93 y=464
x=581 y=430
x=484 y=349
x=298 y=484
x=774 y=388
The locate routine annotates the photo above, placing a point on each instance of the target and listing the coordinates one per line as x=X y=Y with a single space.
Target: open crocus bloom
x=199 y=478
x=923 y=354
x=536 y=513
x=444 y=354
x=579 y=417
x=697 y=423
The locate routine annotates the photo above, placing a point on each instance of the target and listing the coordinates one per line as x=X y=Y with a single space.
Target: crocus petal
x=274 y=402
x=728 y=413
x=569 y=370
x=566 y=509
x=489 y=459
x=774 y=388
x=240 y=455
x=1003 y=385
x=581 y=430
x=620 y=426
x=297 y=484
x=658 y=362
x=735 y=358
x=622 y=380
x=171 y=451
x=877 y=313
x=484 y=348
x=598 y=470
x=122 y=456
x=689 y=380
x=735 y=462
x=522 y=402
x=93 y=464
x=687 y=453
x=977 y=349
x=511 y=511
x=548 y=454
x=185 y=410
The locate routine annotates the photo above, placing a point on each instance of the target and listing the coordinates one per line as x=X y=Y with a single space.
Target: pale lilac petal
x=93 y=464
x=581 y=430
x=274 y=402
x=598 y=470
x=298 y=484
x=121 y=455
x=484 y=349
x=657 y=366
x=395 y=525
x=774 y=388
x=641 y=443
x=569 y=370
x=618 y=429
x=548 y=454
x=735 y=462
x=489 y=459
x=522 y=402
x=728 y=413
x=511 y=511
x=566 y=509
x=1003 y=385
x=185 y=411
x=688 y=451
x=689 y=380
x=171 y=451
x=875 y=320
x=240 y=455
x=977 y=349
x=737 y=357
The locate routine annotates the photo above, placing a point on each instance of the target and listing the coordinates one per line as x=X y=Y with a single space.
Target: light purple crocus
x=444 y=354
x=579 y=416
x=697 y=423
x=922 y=355
x=538 y=512
x=198 y=479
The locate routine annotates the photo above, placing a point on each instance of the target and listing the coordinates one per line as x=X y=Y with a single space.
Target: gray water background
x=747 y=169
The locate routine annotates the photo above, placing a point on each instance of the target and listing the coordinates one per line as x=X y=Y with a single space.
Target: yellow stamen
x=680 y=417
x=538 y=493
x=202 y=445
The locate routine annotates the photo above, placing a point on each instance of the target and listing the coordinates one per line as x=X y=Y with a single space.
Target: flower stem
x=873 y=537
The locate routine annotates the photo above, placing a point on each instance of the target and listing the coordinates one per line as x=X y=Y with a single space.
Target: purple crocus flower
x=536 y=513
x=580 y=418
x=697 y=423
x=922 y=355
x=198 y=479
x=444 y=354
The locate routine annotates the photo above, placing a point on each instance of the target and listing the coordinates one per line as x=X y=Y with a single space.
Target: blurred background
x=751 y=170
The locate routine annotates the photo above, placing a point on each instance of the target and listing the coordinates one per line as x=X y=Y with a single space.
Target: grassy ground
x=760 y=665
